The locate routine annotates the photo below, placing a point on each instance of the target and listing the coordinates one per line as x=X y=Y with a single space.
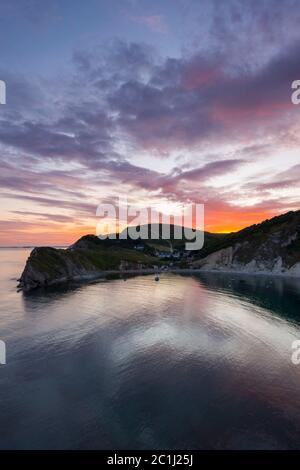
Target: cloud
x=42 y=215
x=130 y=95
x=79 y=207
x=248 y=33
x=155 y=23
x=203 y=101
x=288 y=179
x=210 y=170
x=123 y=108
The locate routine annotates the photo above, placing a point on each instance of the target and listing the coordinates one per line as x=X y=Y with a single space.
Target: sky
x=165 y=102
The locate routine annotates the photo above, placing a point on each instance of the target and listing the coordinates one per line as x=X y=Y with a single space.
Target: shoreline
x=250 y=273
x=139 y=272
x=192 y=271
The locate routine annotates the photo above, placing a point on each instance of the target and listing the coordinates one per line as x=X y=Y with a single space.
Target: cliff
x=88 y=257
x=272 y=247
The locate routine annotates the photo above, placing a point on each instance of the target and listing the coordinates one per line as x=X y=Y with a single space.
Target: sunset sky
x=165 y=102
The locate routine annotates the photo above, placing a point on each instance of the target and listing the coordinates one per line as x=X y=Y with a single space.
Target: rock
x=89 y=257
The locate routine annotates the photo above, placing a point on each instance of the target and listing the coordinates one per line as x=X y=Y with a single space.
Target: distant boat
x=157 y=277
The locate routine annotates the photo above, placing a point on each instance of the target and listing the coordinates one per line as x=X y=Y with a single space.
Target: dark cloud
x=249 y=33
x=202 y=101
x=180 y=103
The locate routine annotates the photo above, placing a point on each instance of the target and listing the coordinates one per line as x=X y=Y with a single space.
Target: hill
x=272 y=246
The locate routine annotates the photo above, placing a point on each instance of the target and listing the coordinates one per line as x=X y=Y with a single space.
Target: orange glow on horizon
x=64 y=235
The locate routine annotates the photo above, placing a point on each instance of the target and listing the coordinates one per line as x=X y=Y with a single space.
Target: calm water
x=187 y=362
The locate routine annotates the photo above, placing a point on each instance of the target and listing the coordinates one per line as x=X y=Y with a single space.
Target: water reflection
x=277 y=294
x=187 y=362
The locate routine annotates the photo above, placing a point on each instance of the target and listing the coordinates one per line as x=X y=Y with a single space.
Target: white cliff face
x=218 y=260
x=224 y=260
x=278 y=266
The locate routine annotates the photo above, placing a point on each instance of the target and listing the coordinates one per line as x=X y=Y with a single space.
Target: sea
x=199 y=361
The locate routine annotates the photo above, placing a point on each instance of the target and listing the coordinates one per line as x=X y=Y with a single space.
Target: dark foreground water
x=188 y=362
